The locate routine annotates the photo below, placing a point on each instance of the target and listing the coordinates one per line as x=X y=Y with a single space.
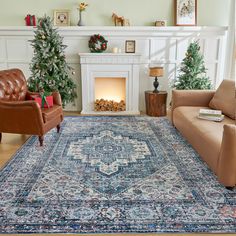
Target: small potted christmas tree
x=192 y=71
x=50 y=71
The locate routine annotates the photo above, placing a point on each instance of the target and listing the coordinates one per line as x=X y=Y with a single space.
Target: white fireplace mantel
x=110 y=65
x=109 y=58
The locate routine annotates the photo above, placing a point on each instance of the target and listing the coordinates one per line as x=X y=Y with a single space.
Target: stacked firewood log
x=109 y=105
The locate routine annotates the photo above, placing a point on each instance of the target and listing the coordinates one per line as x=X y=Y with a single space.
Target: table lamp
x=156 y=72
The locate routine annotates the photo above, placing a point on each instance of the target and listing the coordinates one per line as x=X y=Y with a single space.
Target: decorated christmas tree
x=49 y=69
x=192 y=71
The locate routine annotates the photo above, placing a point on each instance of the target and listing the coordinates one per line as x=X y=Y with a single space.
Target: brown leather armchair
x=19 y=114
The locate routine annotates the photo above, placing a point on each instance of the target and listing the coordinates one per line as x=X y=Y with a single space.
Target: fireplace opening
x=110 y=94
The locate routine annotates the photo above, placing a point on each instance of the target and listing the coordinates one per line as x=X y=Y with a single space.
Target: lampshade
x=156 y=71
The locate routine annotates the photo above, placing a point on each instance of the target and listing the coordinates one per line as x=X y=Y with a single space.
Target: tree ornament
x=97 y=43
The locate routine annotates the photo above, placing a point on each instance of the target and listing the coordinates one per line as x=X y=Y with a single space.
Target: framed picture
x=130 y=46
x=61 y=17
x=185 y=12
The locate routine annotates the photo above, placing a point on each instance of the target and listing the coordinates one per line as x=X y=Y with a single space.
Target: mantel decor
x=130 y=46
x=185 y=12
x=82 y=7
x=97 y=43
x=61 y=17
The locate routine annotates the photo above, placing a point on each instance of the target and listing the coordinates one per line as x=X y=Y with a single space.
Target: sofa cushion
x=224 y=99
x=194 y=129
x=51 y=113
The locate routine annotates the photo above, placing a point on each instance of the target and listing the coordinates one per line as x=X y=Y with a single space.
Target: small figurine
x=120 y=20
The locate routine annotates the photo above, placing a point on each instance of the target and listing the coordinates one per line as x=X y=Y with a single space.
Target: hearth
x=110 y=83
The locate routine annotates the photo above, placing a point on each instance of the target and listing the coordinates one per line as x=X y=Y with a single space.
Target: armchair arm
x=21 y=117
x=57 y=98
x=190 y=98
x=226 y=170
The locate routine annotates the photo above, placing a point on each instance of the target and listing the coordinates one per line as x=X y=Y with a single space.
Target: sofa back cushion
x=225 y=99
x=13 y=85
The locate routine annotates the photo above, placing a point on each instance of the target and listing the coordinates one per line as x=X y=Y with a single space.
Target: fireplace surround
x=110 y=66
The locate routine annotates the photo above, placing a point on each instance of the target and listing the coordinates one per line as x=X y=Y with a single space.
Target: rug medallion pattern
x=110 y=175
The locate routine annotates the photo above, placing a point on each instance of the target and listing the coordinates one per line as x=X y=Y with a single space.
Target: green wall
x=140 y=13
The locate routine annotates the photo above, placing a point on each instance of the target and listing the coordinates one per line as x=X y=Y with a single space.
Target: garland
x=97 y=43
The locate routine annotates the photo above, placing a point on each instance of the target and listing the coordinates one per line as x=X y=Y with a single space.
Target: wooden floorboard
x=9 y=146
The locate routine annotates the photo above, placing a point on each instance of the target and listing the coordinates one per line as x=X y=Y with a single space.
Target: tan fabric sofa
x=214 y=141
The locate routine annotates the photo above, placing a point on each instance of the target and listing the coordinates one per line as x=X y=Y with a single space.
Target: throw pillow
x=225 y=99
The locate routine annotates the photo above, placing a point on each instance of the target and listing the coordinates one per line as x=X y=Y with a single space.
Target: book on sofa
x=213 y=115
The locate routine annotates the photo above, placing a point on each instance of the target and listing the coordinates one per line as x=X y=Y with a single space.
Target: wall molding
x=164 y=46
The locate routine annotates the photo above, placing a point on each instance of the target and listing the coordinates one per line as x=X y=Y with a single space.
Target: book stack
x=208 y=114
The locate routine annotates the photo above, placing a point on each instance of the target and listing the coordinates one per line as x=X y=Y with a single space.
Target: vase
x=80 y=23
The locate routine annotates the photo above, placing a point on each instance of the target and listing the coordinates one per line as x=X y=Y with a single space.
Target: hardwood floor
x=12 y=142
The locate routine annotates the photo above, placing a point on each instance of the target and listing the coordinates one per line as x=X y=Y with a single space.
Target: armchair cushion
x=224 y=99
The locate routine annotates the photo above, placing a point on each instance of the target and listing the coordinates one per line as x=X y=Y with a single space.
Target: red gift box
x=30 y=20
x=47 y=104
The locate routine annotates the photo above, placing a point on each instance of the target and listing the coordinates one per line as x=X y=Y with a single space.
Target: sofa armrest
x=199 y=98
x=20 y=116
x=226 y=170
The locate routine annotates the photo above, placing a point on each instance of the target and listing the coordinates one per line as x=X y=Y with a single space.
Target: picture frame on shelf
x=130 y=46
x=185 y=12
x=61 y=17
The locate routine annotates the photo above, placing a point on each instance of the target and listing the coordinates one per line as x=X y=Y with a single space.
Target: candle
x=115 y=50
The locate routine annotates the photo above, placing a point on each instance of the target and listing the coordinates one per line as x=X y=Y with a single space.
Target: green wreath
x=97 y=43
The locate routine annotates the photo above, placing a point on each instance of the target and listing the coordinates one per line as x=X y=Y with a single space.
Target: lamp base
x=156 y=84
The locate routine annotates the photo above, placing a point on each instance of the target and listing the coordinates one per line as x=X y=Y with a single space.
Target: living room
x=117 y=117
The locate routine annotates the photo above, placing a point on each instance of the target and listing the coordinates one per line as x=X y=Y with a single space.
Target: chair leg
x=229 y=188
x=41 y=138
x=58 y=128
x=0 y=137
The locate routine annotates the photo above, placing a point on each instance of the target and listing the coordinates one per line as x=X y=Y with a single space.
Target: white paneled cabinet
x=164 y=46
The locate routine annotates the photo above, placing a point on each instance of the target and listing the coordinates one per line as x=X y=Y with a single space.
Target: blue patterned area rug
x=111 y=175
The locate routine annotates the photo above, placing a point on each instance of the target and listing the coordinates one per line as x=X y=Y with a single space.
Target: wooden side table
x=156 y=103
